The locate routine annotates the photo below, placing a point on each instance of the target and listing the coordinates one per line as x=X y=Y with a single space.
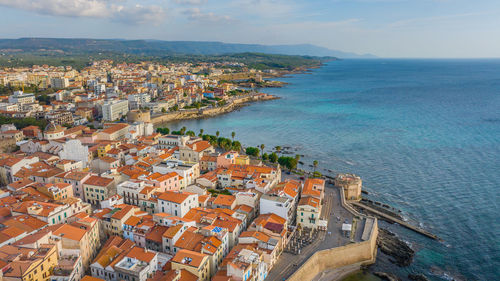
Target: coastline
x=233 y=104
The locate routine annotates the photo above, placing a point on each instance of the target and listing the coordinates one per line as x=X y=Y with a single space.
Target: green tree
x=315 y=164
x=265 y=157
x=201 y=132
x=262 y=146
x=163 y=131
x=183 y=130
x=289 y=162
x=163 y=110
x=190 y=133
x=233 y=134
x=252 y=151
x=273 y=157
x=217 y=133
x=277 y=148
x=236 y=146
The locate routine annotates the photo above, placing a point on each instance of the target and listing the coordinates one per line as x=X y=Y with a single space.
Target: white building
x=21 y=98
x=177 y=203
x=171 y=141
x=136 y=101
x=188 y=171
x=75 y=150
x=138 y=265
x=114 y=109
x=9 y=106
x=281 y=206
x=130 y=190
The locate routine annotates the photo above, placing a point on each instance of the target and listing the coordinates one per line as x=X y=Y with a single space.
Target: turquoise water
x=423 y=134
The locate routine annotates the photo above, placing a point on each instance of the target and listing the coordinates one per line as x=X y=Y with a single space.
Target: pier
x=396 y=220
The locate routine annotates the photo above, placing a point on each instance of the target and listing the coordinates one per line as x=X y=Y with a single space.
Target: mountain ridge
x=156 y=47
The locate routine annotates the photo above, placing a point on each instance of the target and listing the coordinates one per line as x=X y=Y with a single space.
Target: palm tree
x=183 y=130
x=315 y=164
x=233 y=134
x=201 y=132
x=217 y=133
x=262 y=146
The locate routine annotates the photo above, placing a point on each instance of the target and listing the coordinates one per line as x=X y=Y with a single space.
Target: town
x=94 y=189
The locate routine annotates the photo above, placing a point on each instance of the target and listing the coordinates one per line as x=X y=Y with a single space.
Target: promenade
x=333 y=210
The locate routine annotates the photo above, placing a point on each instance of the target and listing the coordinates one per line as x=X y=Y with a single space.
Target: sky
x=385 y=28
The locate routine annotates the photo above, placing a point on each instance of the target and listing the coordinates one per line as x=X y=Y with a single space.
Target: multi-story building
x=59 y=82
x=60 y=117
x=308 y=212
x=114 y=109
x=177 y=203
x=48 y=212
x=138 y=264
x=22 y=98
x=26 y=263
x=194 y=262
x=188 y=172
x=98 y=188
x=136 y=101
x=281 y=206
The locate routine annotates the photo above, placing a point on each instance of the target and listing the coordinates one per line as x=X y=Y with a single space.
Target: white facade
x=138 y=100
x=74 y=150
x=188 y=171
x=9 y=106
x=171 y=141
x=21 y=98
x=114 y=109
x=281 y=206
x=177 y=208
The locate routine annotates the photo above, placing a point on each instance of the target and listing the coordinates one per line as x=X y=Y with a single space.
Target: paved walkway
x=288 y=263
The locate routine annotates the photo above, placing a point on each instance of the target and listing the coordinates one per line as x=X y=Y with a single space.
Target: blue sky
x=386 y=28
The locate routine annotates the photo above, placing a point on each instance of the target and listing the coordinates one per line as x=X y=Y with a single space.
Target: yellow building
x=98 y=188
x=103 y=150
x=194 y=262
x=81 y=235
x=56 y=191
x=308 y=212
x=27 y=264
x=242 y=160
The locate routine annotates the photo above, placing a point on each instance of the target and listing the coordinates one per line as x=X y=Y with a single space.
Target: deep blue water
x=423 y=134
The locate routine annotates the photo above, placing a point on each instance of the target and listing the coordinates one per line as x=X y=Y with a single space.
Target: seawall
x=209 y=112
x=360 y=253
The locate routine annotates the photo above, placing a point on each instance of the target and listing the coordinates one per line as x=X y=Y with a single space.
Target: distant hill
x=158 y=47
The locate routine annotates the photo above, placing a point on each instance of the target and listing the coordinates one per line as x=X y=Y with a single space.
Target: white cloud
x=112 y=9
x=191 y=2
x=197 y=15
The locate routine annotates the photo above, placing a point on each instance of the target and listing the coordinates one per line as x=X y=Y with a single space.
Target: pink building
x=227 y=159
x=164 y=182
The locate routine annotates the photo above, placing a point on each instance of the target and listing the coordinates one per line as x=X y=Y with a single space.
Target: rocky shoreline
x=394 y=247
x=210 y=112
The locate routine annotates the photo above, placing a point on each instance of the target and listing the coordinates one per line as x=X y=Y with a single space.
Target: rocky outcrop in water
x=387 y=276
x=417 y=277
x=398 y=250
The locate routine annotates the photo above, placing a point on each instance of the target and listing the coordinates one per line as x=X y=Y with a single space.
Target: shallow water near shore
x=423 y=134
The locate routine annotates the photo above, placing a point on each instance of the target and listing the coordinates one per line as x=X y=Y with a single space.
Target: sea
x=424 y=135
